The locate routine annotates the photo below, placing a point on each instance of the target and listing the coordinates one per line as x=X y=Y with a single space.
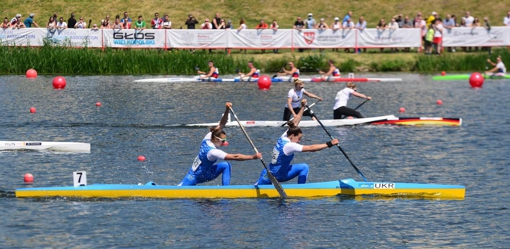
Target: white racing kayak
x=303 y=123
x=274 y=80
x=45 y=146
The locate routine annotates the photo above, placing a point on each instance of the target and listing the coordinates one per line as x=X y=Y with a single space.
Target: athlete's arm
x=317 y=147
x=242 y=157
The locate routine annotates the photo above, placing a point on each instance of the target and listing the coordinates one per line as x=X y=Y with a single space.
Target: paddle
x=338 y=145
x=305 y=110
x=273 y=179
x=358 y=106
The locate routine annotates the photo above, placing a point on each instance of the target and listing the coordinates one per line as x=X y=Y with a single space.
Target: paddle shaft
x=273 y=179
x=356 y=106
x=305 y=110
x=338 y=145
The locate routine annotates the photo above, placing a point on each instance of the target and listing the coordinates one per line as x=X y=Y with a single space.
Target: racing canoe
x=45 y=146
x=274 y=80
x=466 y=77
x=348 y=187
x=436 y=121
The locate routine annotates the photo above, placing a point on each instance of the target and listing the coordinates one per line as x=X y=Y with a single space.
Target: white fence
x=251 y=38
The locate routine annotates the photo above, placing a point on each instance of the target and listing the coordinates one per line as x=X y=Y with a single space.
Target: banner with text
x=21 y=37
x=313 y=38
x=476 y=36
x=387 y=38
x=197 y=38
x=263 y=38
x=130 y=38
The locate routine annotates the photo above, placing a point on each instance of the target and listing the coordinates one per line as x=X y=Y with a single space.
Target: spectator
x=462 y=23
x=299 y=24
x=261 y=25
x=51 y=25
x=6 y=23
x=310 y=22
x=167 y=24
x=15 y=20
x=191 y=22
x=431 y=18
x=117 y=25
x=468 y=19
x=476 y=23
x=223 y=24
x=105 y=24
x=506 y=19
x=216 y=21
x=206 y=24
x=407 y=23
x=61 y=25
x=361 y=25
x=422 y=25
x=448 y=24
x=94 y=27
x=347 y=16
x=242 y=25
x=274 y=26
x=126 y=21
x=455 y=21
x=30 y=20
x=429 y=38
x=71 y=21
x=348 y=24
x=80 y=24
x=381 y=26
x=322 y=25
x=336 y=25
x=393 y=26
x=140 y=24
x=399 y=20
x=55 y=17
x=438 y=35
x=156 y=22
x=417 y=18
x=228 y=25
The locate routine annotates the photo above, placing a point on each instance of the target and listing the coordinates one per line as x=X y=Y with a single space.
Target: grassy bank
x=70 y=61
x=285 y=12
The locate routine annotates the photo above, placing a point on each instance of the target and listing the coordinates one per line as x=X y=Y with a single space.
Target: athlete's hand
x=228 y=105
x=334 y=141
x=258 y=156
x=303 y=102
x=369 y=98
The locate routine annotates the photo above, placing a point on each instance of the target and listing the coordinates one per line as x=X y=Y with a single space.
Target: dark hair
x=216 y=132
x=293 y=129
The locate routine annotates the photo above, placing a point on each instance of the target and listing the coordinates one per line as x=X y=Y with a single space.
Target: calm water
x=141 y=118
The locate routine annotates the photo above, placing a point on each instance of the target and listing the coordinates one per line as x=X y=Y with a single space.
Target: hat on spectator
x=310 y=14
x=32 y=14
x=336 y=18
x=434 y=13
x=18 y=15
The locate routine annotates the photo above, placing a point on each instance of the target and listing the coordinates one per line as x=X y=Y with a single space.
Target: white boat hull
x=303 y=123
x=274 y=80
x=45 y=146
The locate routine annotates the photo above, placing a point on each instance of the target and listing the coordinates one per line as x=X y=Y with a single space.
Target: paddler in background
x=204 y=167
x=211 y=75
x=332 y=73
x=253 y=74
x=293 y=72
x=341 y=99
x=283 y=153
x=499 y=67
x=294 y=97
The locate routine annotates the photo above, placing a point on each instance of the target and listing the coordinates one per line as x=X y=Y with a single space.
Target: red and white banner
x=312 y=38
x=476 y=36
x=387 y=38
x=250 y=38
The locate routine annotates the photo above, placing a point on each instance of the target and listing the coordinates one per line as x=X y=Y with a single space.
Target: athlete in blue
x=283 y=153
x=204 y=166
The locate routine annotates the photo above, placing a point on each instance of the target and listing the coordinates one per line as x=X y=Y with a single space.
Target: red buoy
x=31 y=74
x=264 y=82
x=32 y=109
x=443 y=73
x=476 y=80
x=402 y=109
x=98 y=103
x=141 y=158
x=59 y=82
x=28 y=178
x=439 y=102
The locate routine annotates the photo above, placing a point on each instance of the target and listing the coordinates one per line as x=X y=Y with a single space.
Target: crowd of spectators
x=432 y=27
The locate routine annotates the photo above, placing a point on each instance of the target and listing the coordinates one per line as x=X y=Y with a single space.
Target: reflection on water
x=146 y=119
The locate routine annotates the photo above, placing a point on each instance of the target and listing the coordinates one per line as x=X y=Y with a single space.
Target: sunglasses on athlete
x=223 y=140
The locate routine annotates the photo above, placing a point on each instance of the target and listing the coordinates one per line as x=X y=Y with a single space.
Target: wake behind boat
x=348 y=187
x=45 y=146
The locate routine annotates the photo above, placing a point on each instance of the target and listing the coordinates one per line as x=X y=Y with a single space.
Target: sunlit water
x=143 y=119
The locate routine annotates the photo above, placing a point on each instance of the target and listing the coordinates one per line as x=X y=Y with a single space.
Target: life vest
x=336 y=72
x=216 y=73
x=255 y=75
x=296 y=74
